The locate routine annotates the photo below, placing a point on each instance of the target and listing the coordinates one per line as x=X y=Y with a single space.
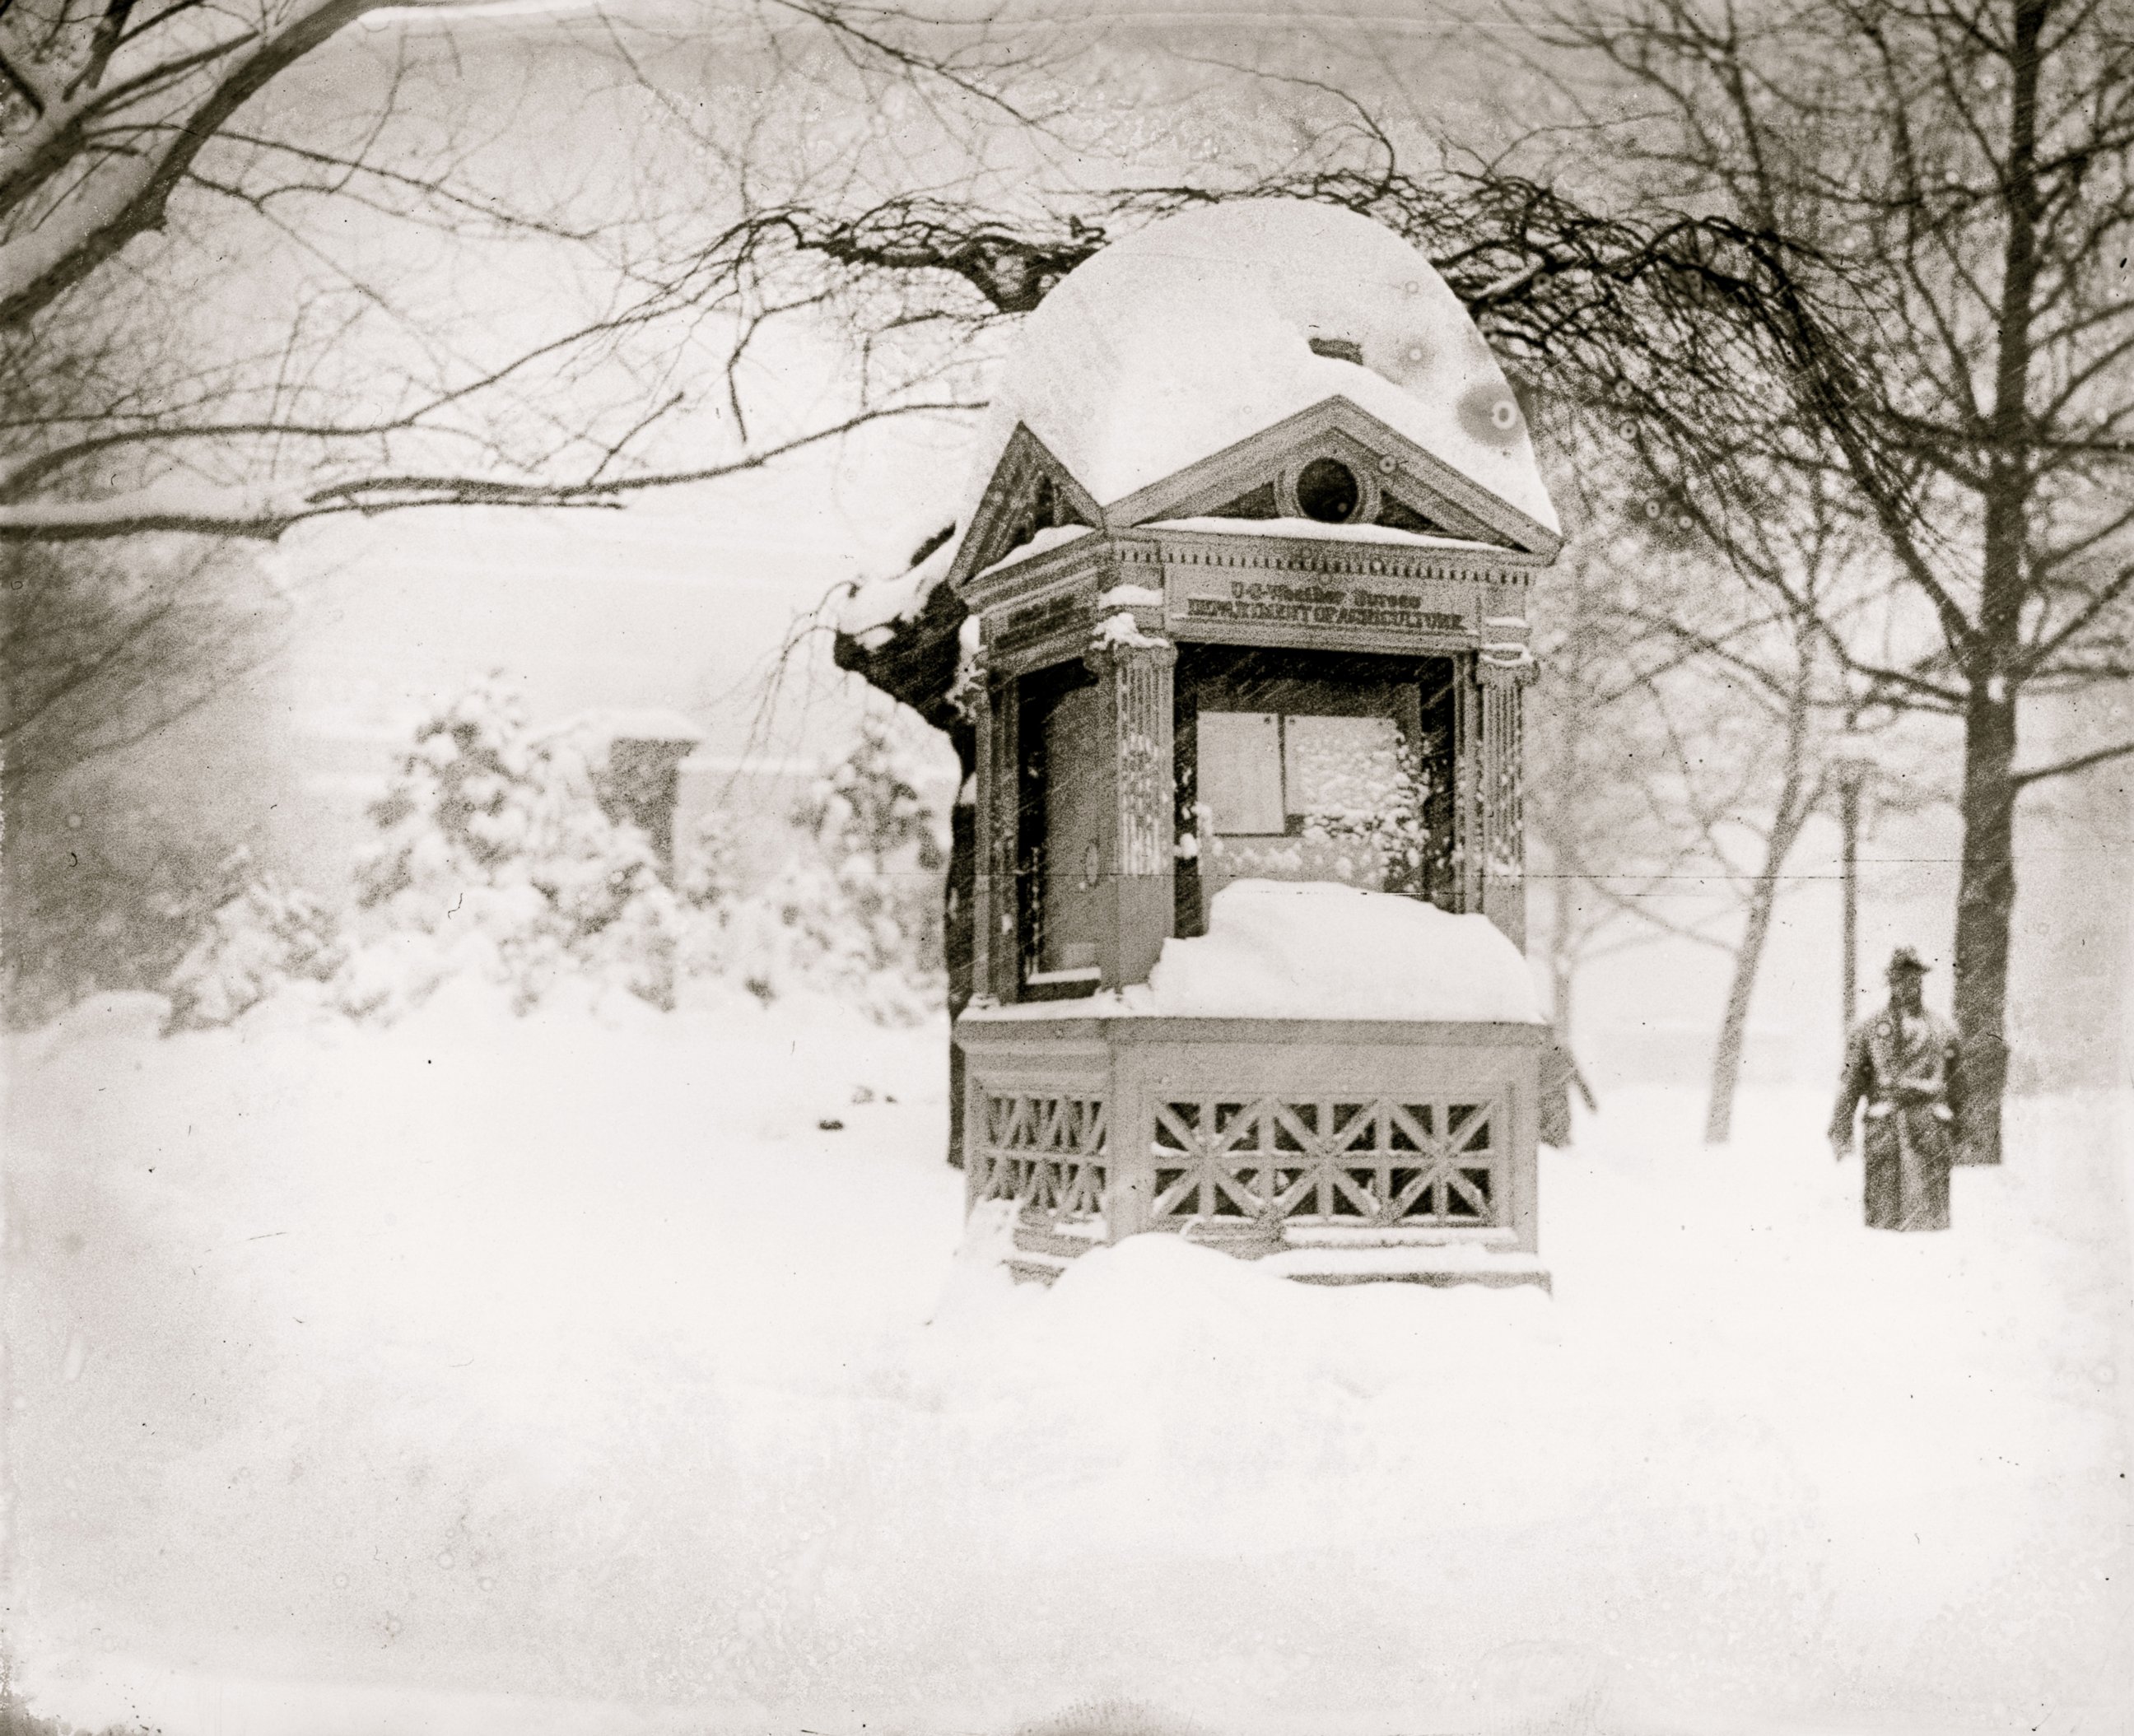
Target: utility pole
x=1853 y=757
x=1848 y=821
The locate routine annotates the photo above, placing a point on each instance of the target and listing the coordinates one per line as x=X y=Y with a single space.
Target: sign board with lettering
x=1256 y=606
x=1256 y=590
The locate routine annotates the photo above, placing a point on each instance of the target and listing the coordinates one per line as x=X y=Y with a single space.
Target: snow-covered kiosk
x=1232 y=631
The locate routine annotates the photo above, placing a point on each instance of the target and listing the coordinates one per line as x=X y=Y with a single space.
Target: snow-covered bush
x=711 y=872
x=887 y=847
x=730 y=932
x=1368 y=790
x=493 y=861
x=494 y=858
x=268 y=935
x=855 y=911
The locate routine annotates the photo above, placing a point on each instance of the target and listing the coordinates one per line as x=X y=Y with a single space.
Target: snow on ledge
x=1311 y=530
x=1311 y=949
x=1123 y=629
x=1056 y=536
x=1286 y=949
x=871 y=612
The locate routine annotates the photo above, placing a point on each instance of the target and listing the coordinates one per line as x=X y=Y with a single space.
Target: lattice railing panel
x=1370 y=1163
x=1047 y=1154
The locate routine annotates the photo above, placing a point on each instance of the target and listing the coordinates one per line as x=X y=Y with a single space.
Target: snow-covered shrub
x=730 y=932
x=1368 y=791
x=710 y=876
x=887 y=845
x=495 y=858
x=798 y=934
x=270 y=934
x=855 y=911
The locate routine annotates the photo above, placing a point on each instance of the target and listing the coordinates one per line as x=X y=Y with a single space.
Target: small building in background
x=635 y=757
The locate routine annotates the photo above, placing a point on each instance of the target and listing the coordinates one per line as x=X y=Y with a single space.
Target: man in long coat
x=1902 y=1064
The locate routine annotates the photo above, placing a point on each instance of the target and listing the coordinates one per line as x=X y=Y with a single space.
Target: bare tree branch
x=2024 y=779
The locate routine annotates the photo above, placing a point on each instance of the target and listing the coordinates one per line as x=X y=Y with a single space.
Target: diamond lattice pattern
x=1045 y=1153
x=1364 y=1162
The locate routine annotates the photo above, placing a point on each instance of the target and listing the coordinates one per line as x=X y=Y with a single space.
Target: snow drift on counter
x=1311 y=949
x=1314 y=949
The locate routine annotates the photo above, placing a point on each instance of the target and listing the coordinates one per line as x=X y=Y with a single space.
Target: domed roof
x=1178 y=341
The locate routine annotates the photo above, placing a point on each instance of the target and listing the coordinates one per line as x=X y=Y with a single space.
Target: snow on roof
x=1288 y=949
x=701 y=763
x=1310 y=529
x=1180 y=340
x=870 y=613
x=606 y=726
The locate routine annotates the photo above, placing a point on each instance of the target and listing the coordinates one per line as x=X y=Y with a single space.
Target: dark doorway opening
x=1060 y=788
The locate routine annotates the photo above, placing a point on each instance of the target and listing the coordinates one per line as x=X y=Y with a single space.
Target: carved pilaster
x=1134 y=671
x=989 y=701
x=1500 y=830
x=976 y=701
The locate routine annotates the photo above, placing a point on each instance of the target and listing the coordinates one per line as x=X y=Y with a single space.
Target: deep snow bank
x=516 y=1372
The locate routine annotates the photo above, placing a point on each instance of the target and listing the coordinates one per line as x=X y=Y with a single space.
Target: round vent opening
x=1327 y=490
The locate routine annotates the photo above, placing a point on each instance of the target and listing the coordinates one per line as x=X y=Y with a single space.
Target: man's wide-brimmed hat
x=1905 y=959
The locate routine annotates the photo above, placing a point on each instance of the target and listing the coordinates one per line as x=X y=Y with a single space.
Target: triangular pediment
x=1388 y=505
x=1030 y=491
x=1398 y=484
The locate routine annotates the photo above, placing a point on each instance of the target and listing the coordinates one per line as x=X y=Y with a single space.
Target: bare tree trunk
x=1985 y=902
x=1985 y=905
x=1734 y=1029
x=1848 y=821
x=1795 y=799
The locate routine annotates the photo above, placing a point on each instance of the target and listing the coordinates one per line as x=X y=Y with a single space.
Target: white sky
x=683 y=598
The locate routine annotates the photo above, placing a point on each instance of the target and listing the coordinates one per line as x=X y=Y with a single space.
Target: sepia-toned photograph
x=1067 y=868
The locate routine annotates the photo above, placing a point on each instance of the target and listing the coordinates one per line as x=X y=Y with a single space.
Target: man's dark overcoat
x=1903 y=1066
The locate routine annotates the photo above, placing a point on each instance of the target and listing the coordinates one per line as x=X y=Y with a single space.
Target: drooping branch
x=265 y=513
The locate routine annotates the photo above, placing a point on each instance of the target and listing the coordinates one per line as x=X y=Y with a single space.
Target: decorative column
x=988 y=702
x=1134 y=670
x=1003 y=843
x=1502 y=668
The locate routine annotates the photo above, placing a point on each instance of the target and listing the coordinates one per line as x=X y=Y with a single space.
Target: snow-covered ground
x=485 y=1376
